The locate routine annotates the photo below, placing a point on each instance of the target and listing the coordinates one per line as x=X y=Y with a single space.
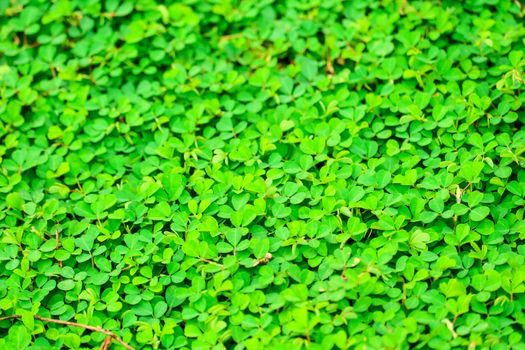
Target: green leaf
x=161 y=211
x=479 y=213
x=66 y=285
x=260 y=247
x=72 y=341
x=87 y=239
x=14 y=200
x=279 y=210
x=470 y=171
x=419 y=240
x=191 y=248
x=308 y=67
x=27 y=317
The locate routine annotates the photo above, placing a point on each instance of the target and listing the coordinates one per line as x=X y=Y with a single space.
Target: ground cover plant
x=262 y=174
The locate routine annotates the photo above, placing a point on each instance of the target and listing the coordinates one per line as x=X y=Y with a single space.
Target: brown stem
x=110 y=334
x=212 y=262
x=230 y=36
x=127 y=268
x=343 y=274
x=345 y=265
x=57 y=244
x=329 y=66
x=105 y=345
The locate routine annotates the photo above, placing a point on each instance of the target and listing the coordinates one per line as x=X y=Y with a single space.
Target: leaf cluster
x=263 y=174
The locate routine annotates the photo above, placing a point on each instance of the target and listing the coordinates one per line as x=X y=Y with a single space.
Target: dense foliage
x=262 y=174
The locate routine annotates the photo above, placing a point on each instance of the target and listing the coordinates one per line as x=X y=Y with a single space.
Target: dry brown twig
x=105 y=345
